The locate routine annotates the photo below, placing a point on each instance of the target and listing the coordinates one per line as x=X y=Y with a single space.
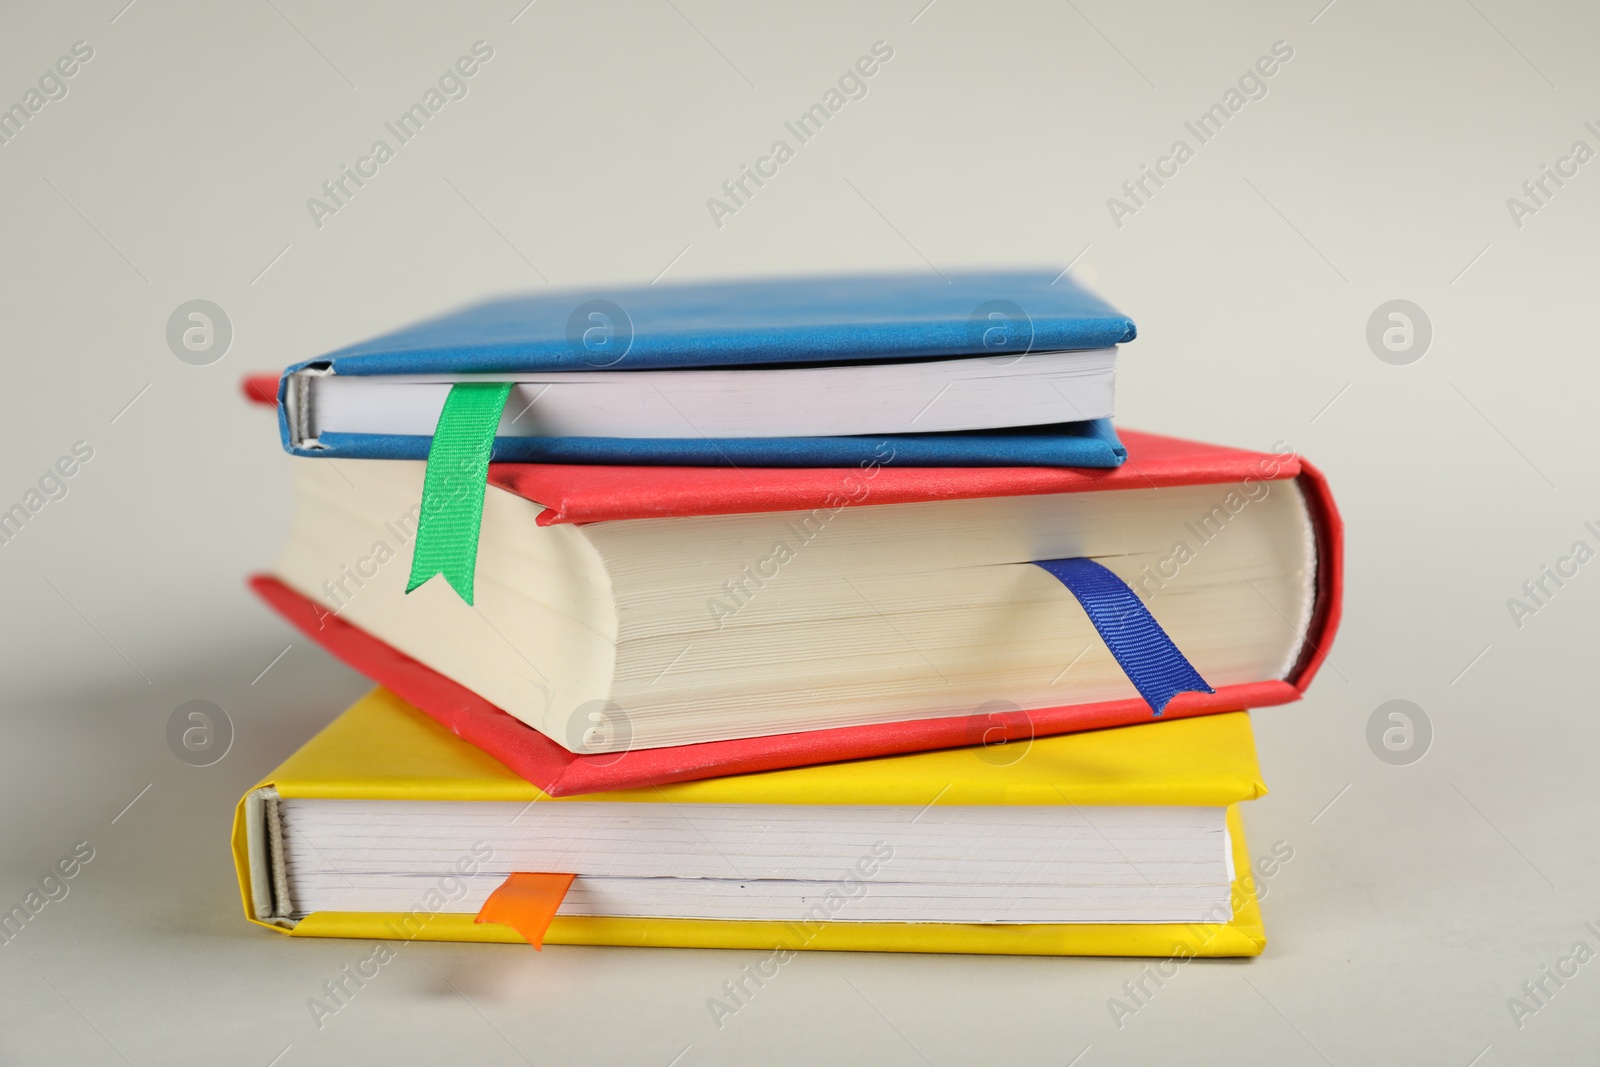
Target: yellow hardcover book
x=1127 y=841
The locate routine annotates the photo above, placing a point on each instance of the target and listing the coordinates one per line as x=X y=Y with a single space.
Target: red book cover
x=581 y=494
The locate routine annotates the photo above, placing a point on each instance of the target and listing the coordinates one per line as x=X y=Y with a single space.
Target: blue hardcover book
x=986 y=369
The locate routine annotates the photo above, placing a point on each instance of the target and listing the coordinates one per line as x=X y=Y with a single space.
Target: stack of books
x=796 y=614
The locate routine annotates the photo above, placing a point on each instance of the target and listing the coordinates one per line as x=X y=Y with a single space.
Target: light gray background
x=1419 y=898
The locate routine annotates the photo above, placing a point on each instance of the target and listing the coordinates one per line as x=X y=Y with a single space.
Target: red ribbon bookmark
x=526 y=903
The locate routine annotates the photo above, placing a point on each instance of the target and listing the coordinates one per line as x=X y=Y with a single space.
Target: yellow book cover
x=383 y=749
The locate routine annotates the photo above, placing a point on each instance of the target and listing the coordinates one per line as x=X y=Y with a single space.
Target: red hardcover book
x=584 y=494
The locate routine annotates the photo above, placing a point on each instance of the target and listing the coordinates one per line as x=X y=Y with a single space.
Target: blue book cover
x=770 y=322
x=1092 y=443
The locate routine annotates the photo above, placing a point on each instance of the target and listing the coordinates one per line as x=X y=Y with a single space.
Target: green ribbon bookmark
x=454 y=485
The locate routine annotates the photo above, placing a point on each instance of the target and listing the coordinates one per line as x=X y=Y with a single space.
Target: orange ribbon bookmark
x=526 y=903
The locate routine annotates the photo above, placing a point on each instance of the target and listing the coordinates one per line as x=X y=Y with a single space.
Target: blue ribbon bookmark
x=1147 y=655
